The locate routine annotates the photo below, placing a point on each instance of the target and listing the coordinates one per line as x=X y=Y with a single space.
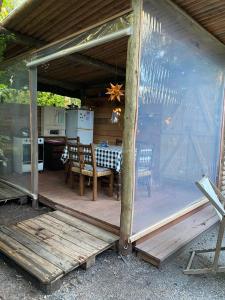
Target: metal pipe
x=34 y=134
x=78 y=48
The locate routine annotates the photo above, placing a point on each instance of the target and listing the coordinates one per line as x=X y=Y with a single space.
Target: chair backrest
x=86 y=154
x=119 y=142
x=211 y=192
x=72 y=140
x=144 y=156
x=72 y=147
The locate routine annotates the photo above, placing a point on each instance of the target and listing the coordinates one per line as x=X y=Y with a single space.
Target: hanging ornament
x=115 y=92
x=116 y=115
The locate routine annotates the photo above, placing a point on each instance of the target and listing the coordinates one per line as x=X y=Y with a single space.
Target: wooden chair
x=87 y=167
x=71 y=144
x=217 y=200
x=144 y=160
x=119 y=142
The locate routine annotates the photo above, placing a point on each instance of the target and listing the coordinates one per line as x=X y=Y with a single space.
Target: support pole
x=129 y=134
x=34 y=135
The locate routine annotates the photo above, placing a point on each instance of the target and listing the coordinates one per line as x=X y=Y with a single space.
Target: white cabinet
x=52 y=121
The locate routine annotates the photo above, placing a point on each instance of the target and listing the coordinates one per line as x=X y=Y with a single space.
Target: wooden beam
x=86 y=60
x=77 y=48
x=129 y=133
x=77 y=57
x=62 y=84
x=220 y=175
x=21 y=38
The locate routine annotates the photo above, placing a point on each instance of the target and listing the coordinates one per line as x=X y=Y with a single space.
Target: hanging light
x=116 y=115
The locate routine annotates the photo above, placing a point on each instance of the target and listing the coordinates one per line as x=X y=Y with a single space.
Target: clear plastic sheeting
x=15 y=156
x=83 y=38
x=179 y=113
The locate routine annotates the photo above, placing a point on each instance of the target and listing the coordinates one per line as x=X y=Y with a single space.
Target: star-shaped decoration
x=115 y=92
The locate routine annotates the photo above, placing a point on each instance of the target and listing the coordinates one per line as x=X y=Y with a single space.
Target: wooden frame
x=168 y=220
x=221 y=167
x=218 y=206
x=130 y=123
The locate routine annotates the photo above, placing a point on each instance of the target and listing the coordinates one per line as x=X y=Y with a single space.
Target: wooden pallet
x=9 y=193
x=158 y=247
x=53 y=244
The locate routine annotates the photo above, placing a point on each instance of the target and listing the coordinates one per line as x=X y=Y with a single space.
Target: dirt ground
x=116 y=278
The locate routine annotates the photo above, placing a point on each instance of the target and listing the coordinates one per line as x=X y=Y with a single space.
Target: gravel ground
x=116 y=278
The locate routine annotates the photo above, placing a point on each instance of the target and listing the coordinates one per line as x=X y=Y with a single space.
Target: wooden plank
x=88 y=217
x=167 y=242
x=40 y=248
x=48 y=248
x=168 y=220
x=31 y=262
x=68 y=248
x=85 y=239
x=102 y=234
x=62 y=232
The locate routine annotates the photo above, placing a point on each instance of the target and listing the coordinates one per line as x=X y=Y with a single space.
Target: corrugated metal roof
x=210 y=14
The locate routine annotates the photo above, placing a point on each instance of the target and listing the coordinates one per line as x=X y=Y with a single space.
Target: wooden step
x=157 y=248
x=53 y=244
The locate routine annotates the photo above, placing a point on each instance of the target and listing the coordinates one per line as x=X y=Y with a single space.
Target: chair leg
x=72 y=175
x=118 y=188
x=111 y=177
x=67 y=171
x=81 y=185
x=99 y=185
x=95 y=188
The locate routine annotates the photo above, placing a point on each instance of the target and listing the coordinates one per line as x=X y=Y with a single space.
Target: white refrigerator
x=80 y=123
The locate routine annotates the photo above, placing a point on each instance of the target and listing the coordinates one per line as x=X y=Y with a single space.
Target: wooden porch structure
x=84 y=65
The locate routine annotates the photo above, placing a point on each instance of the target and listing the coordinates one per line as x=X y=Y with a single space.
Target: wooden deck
x=53 y=244
x=165 y=242
x=9 y=193
x=104 y=212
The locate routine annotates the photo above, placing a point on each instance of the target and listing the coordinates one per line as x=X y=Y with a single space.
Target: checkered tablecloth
x=106 y=157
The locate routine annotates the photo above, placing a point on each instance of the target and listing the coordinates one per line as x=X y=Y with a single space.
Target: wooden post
x=129 y=134
x=221 y=166
x=34 y=135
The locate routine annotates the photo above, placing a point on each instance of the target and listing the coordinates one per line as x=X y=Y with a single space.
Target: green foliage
x=7 y=7
x=11 y=95
x=49 y=99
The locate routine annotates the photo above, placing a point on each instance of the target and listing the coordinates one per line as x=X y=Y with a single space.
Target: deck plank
x=39 y=247
x=48 y=248
x=57 y=235
x=59 y=243
x=81 y=236
x=159 y=247
x=86 y=227
x=41 y=268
